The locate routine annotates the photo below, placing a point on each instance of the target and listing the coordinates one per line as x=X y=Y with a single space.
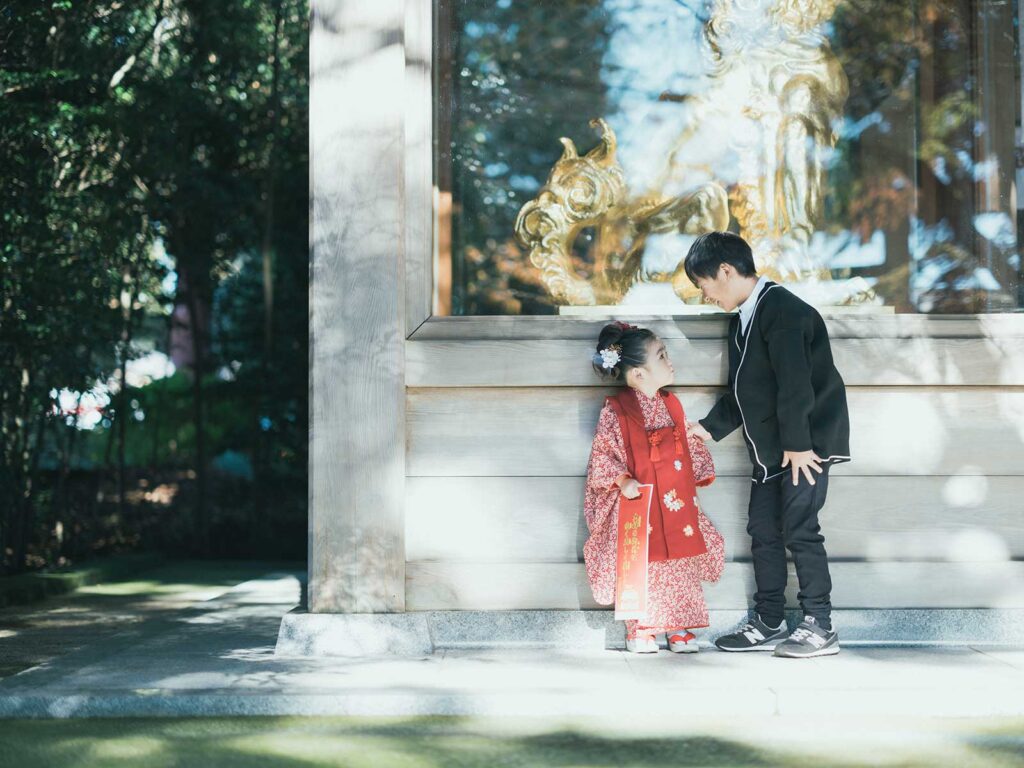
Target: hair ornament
x=609 y=357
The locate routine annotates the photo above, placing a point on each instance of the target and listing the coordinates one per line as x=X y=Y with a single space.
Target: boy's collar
x=747 y=305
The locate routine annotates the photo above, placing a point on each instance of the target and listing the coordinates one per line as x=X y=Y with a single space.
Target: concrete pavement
x=211 y=652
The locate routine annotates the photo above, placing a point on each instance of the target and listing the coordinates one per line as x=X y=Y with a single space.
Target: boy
x=786 y=394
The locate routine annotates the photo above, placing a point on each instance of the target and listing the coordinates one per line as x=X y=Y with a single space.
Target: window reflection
x=866 y=149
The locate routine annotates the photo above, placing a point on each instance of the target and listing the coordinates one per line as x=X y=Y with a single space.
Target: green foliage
x=125 y=125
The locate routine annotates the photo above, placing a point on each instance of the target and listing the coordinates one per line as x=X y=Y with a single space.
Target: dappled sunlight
x=187 y=592
x=924 y=446
x=435 y=522
x=65 y=609
x=1011 y=406
x=977 y=545
x=336 y=749
x=230 y=619
x=259 y=653
x=974 y=544
x=275 y=588
x=1010 y=370
x=659 y=738
x=205 y=618
x=133 y=747
x=969 y=489
x=162 y=615
x=949 y=584
x=89 y=619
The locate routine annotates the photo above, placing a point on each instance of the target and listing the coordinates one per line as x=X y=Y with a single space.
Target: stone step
x=425 y=632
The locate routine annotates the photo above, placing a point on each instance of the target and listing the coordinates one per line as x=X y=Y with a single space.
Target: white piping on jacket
x=830 y=458
x=736 y=383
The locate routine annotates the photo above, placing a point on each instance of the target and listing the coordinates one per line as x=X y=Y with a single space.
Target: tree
x=122 y=124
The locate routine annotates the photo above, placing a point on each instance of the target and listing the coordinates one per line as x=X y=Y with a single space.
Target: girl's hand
x=630 y=488
x=694 y=428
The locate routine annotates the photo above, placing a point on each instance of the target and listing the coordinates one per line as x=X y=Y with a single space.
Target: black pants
x=785 y=516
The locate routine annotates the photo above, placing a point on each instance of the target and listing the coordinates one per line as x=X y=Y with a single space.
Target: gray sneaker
x=755 y=635
x=808 y=640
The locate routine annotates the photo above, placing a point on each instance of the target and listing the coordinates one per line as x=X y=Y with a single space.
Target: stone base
x=422 y=633
x=353 y=634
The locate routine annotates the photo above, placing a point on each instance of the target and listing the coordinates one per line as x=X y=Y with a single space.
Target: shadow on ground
x=468 y=742
x=34 y=634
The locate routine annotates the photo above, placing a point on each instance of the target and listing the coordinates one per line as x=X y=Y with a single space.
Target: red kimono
x=685 y=548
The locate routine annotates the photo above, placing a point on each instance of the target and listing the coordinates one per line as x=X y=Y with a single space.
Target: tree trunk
x=196 y=329
x=20 y=468
x=262 y=458
x=128 y=313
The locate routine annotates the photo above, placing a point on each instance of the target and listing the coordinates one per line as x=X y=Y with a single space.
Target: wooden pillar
x=357 y=308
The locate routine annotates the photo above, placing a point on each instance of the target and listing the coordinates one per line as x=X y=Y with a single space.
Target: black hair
x=631 y=344
x=713 y=249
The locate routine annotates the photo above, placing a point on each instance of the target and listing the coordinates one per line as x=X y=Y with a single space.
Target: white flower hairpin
x=609 y=357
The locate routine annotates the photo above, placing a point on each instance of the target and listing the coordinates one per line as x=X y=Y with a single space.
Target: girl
x=641 y=438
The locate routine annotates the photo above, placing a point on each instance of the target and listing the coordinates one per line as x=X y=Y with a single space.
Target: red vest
x=661 y=457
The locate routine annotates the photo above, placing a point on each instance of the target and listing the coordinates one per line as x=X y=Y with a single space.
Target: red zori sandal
x=683 y=643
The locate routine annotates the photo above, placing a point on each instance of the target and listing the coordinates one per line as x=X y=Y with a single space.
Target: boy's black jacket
x=784 y=389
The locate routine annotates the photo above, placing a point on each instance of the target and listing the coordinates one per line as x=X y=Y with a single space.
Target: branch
x=154 y=35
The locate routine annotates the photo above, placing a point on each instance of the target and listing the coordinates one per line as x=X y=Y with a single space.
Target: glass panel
x=865 y=148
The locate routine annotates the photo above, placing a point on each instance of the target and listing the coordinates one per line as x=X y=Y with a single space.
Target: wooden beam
x=540 y=519
x=548 y=432
x=357 y=303
x=840 y=326
x=703 y=362
x=560 y=586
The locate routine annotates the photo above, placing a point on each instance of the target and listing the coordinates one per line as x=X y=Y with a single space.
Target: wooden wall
x=500 y=414
x=446 y=454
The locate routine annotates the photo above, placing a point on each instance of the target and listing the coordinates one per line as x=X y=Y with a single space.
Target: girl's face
x=658 y=371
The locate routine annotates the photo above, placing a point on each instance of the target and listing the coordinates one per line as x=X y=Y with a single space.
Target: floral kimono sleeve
x=608 y=455
x=601 y=503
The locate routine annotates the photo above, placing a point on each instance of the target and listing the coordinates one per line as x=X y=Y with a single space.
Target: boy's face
x=724 y=289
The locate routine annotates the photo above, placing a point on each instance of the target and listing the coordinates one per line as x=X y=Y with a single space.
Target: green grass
x=176 y=576
x=116 y=575
x=451 y=742
x=26 y=588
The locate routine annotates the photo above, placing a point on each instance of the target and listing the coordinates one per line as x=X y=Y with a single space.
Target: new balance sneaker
x=684 y=643
x=755 y=635
x=645 y=644
x=809 y=640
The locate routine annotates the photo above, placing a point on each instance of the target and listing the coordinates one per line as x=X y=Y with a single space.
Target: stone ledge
x=421 y=633
x=353 y=634
x=755 y=700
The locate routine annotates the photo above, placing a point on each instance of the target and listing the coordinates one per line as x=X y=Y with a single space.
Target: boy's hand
x=630 y=488
x=697 y=430
x=802 y=461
